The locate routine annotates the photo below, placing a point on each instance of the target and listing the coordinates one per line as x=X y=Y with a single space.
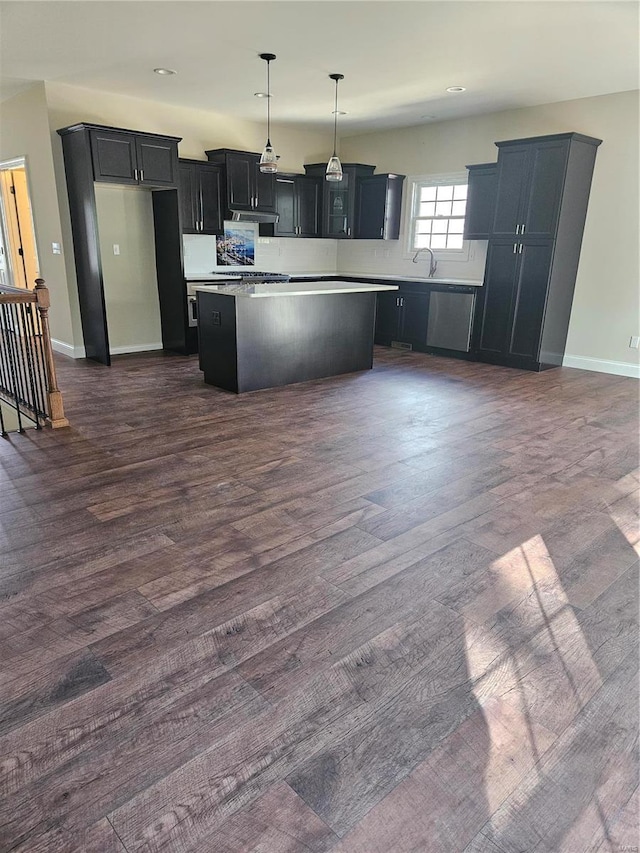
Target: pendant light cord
x=268 y=103
x=335 y=121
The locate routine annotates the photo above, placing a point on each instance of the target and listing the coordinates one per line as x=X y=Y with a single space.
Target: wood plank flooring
x=390 y=612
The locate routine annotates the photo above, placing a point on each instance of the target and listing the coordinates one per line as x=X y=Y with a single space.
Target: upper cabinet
x=127 y=157
x=298 y=206
x=530 y=185
x=378 y=207
x=339 y=198
x=200 y=197
x=244 y=187
x=481 y=201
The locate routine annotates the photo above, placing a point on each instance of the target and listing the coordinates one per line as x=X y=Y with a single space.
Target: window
x=438 y=211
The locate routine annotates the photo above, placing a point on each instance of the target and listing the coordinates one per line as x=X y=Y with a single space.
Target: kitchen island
x=254 y=336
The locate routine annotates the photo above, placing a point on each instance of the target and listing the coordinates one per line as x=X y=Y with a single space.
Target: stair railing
x=28 y=382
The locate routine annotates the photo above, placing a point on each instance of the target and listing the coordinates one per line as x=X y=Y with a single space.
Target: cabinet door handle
x=520 y=249
x=515 y=248
x=349 y=231
x=141 y=175
x=382 y=231
x=517 y=229
x=522 y=228
x=135 y=174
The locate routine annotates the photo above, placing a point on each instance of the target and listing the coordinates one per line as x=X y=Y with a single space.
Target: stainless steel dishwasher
x=450 y=318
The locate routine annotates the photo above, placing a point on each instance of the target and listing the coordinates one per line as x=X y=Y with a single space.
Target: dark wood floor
x=392 y=612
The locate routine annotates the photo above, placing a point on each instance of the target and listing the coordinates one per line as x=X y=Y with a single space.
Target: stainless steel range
x=235 y=277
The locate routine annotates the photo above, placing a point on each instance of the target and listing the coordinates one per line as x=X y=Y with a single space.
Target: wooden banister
x=27 y=371
x=54 y=397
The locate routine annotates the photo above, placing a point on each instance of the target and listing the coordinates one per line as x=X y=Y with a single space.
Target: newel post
x=54 y=397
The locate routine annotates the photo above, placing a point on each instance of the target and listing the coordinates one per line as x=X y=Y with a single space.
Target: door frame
x=18 y=228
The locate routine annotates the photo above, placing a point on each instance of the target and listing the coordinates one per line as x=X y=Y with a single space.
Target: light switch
x=634 y=342
x=56 y=248
x=116 y=249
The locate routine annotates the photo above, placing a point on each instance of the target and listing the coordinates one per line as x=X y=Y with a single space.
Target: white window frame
x=416 y=182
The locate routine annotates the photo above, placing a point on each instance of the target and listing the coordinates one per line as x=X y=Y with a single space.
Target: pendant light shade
x=268 y=159
x=334 y=166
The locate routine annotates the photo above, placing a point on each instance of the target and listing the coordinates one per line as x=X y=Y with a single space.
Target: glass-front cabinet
x=339 y=198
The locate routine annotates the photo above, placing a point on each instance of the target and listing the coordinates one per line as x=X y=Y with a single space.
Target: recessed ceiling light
x=262 y=95
x=427 y=117
x=164 y=71
x=339 y=113
x=456 y=89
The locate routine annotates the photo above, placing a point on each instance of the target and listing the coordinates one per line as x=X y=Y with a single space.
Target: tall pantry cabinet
x=523 y=310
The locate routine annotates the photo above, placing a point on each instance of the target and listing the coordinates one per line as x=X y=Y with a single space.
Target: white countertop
x=344 y=277
x=287 y=288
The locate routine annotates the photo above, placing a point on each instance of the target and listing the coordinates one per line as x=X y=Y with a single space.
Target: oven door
x=192 y=310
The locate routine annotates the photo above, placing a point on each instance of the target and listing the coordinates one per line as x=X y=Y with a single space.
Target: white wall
x=606 y=310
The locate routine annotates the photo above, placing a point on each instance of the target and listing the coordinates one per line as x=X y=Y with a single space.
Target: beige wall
x=606 y=302
x=24 y=132
x=200 y=129
x=125 y=215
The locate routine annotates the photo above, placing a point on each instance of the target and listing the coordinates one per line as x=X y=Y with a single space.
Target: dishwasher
x=450 y=318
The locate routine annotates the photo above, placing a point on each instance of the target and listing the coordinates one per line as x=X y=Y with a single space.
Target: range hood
x=252 y=216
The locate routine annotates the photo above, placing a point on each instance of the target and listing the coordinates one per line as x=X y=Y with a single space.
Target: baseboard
x=78 y=352
x=67 y=349
x=617 y=368
x=134 y=348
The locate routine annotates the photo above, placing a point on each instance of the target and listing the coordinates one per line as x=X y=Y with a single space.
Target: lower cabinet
x=510 y=315
x=403 y=318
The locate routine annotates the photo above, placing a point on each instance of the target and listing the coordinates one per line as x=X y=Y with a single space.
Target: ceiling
x=398 y=57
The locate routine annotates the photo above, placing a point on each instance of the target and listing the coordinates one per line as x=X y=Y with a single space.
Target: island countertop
x=289 y=288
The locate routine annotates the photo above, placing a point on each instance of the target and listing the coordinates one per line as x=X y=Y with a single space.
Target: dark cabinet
x=339 y=198
x=481 y=201
x=96 y=153
x=417 y=317
x=200 y=197
x=530 y=186
x=401 y=319
x=513 y=299
x=378 y=207
x=126 y=157
x=298 y=206
x=244 y=187
x=523 y=312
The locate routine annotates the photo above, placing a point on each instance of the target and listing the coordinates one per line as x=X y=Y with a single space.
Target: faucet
x=433 y=264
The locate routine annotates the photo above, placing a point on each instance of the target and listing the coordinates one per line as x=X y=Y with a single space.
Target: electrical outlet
x=215 y=318
x=634 y=342
x=56 y=248
x=116 y=249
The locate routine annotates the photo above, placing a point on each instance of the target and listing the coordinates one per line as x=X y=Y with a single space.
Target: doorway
x=19 y=265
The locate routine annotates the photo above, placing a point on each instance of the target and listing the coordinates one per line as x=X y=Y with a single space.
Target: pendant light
x=268 y=159
x=334 y=166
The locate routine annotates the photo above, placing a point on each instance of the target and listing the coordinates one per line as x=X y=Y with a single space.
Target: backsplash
x=391 y=257
x=273 y=254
